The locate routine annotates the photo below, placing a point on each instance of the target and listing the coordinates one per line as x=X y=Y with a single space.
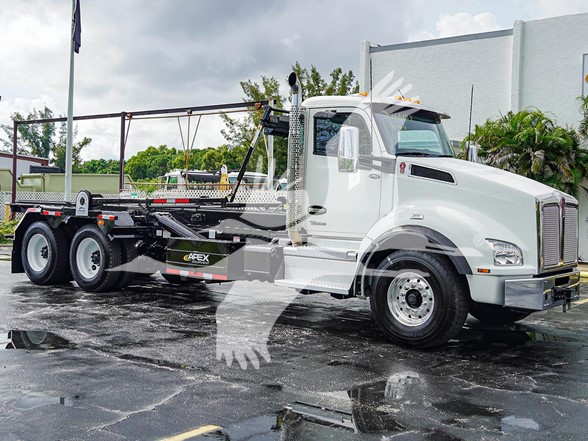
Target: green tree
x=42 y=140
x=100 y=166
x=58 y=149
x=33 y=139
x=151 y=163
x=212 y=160
x=531 y=144
x=240 y=132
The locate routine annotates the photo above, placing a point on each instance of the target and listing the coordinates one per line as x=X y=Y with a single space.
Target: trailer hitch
x=565 y=294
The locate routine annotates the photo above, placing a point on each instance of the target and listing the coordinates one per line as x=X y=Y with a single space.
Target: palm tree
x=531 y=144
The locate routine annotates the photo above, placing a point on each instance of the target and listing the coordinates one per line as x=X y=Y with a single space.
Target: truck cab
x=381 y=208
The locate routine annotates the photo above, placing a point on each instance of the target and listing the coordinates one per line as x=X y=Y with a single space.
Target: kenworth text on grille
x=377 y=207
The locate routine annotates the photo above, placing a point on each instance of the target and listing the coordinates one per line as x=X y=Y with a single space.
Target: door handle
x=375 y=176
x=316 y=210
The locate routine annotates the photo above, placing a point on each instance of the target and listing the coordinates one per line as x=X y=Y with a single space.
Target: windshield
x=412 y=132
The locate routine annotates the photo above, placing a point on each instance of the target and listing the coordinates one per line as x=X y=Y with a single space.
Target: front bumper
x=542 y=293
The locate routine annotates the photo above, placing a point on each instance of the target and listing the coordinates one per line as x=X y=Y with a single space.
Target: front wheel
x=418 y=299
x=92 y=257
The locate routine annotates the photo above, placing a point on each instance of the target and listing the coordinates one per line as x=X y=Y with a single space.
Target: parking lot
x=141 y=364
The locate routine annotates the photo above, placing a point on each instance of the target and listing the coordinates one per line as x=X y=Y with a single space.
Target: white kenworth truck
x=377 y=207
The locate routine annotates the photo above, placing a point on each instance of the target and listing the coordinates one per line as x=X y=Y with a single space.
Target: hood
x=484 y=177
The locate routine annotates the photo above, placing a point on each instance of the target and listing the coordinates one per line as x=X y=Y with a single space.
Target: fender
x=409 y=237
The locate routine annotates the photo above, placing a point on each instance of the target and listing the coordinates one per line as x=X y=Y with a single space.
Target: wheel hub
x=96 y=258
x=88 y=258
x=38 y=252
x=411 y=299
x=414 y=299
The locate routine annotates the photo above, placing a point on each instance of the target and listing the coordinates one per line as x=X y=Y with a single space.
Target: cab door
x=339 y=203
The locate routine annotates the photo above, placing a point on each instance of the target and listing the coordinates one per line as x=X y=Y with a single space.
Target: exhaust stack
x=295 y=163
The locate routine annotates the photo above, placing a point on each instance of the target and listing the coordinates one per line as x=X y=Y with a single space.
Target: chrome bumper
x=543 y=292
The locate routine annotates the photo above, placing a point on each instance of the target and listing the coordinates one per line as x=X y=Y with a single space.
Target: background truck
x=377 y=207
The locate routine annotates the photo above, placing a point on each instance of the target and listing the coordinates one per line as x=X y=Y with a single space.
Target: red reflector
x=182 y=201
x=51 y=213
x=219 y=277
x=160 y=201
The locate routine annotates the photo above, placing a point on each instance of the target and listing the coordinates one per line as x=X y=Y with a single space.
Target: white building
x=541 y=63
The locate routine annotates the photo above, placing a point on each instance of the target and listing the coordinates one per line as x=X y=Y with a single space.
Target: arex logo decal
x=197 y=258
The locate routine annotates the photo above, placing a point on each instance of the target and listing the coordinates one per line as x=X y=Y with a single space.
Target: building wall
x=551 y=74
x=441 y=76
x=22 y=165
x=535 y=64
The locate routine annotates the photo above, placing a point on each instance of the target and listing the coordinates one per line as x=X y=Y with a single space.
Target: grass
x=7 y=229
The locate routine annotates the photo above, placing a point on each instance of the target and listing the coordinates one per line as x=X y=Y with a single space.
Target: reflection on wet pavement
x=332 y=375
x=26 y=403
x=36 y=340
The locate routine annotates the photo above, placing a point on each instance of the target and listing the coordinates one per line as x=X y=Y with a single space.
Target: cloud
x=175 y=54
x=461 y=23
x=550 y=8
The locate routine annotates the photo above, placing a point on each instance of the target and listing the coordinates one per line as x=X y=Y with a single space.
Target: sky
x=154 y=54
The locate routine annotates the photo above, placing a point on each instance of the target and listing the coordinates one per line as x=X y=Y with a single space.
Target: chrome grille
x=559 y=235
x=570 y=246
x=551 y=235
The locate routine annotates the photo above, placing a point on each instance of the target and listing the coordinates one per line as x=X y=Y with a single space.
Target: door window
x=326 y=132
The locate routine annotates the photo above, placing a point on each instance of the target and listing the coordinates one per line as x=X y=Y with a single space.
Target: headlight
x=505 y=253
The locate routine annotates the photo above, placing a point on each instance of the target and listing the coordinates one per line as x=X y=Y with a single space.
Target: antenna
x=401 y=94
x=371 y=106
x=472 y=153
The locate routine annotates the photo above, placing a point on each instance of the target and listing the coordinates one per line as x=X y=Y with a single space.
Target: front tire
x=92 y=256
x=44 y=254
x=419 y=299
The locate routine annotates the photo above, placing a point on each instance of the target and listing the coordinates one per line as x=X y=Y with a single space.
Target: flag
x=76 y=28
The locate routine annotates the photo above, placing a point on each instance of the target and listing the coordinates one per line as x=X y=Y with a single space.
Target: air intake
x=431 y=173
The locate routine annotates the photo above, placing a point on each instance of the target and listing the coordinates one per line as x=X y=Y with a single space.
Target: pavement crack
x=148 y=408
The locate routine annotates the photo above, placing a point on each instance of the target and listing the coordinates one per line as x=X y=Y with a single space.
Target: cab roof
x=364 y=102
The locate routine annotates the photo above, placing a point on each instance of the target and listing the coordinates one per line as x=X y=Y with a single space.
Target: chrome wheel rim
x=89 y=259
x=411 y=299
x=38 y=252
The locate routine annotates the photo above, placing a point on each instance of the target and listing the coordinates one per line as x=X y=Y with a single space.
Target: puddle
x=516 y=424
x=407 y=402
x=266 y=427
x=464 y=408
x=28 y=402
x=36 y=341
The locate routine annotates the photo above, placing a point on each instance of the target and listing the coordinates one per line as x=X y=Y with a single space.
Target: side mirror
x=348 y=149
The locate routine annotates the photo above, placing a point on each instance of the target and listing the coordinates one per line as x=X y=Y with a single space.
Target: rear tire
x=496 y=314
x=91 y=256
x=418 y=299
x=44 y=254
x=129 y=254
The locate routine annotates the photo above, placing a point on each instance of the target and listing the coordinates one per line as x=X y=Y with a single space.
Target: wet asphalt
x=141 y=364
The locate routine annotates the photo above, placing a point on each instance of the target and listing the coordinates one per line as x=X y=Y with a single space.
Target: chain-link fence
x=245 y=195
